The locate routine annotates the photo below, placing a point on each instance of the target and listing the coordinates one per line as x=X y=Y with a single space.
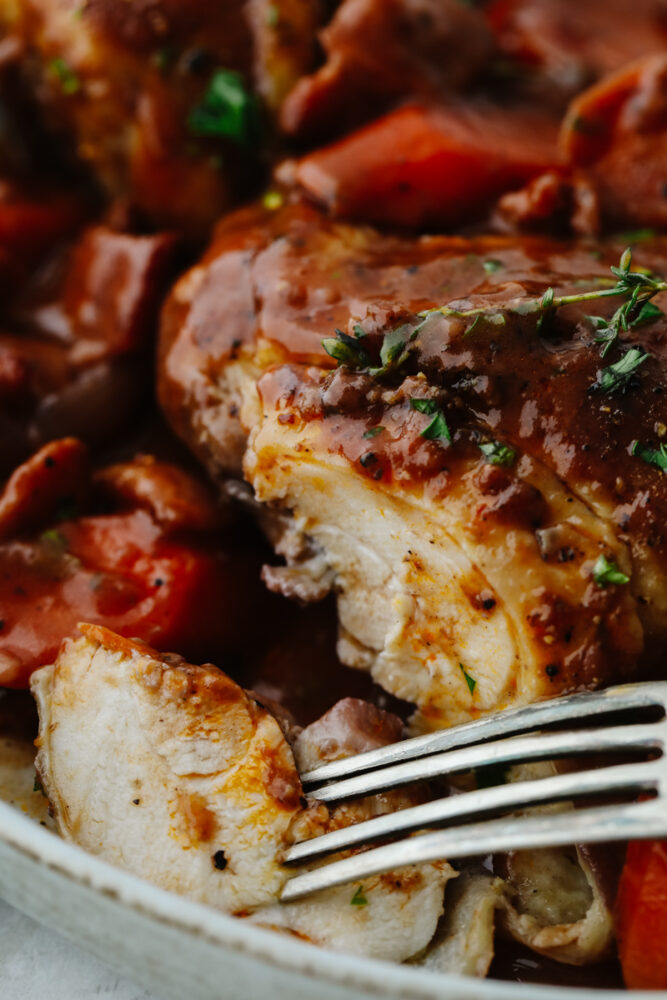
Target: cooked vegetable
x=641 y=912
x=429 y=165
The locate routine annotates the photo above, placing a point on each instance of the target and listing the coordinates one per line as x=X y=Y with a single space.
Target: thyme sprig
x=637 y=287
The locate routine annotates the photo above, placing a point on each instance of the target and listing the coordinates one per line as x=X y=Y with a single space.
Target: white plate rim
x=44 y=848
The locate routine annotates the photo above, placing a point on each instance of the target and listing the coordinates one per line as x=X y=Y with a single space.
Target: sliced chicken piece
x=187 y=781
x=465 y=580
x=391 y=916
x=183 y=779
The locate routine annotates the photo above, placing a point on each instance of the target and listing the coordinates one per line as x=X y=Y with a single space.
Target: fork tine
x=629 y=778
x=509 y=723
x=542 y=746
x=638 y=821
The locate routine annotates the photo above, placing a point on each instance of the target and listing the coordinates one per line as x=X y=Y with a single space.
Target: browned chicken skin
x=122 y=81
x=516 y=604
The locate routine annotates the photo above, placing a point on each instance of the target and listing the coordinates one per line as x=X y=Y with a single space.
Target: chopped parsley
x=498 y=454
x=373 y=432
x=617 y=377
x=227 y=110
x=359 y=899
x=470 y=681
x=605 y=571
x=652 y=456
x=69 y=81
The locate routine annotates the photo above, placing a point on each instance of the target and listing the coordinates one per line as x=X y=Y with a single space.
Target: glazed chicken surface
x=463 y=584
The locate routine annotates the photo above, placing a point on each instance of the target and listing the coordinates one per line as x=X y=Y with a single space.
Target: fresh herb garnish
x=273 y=200
x=470 y=681
x=652 y=456
x=437 y=428
x=617 y=377
x=55 y=539
x=498 y=454
x=359 y=899
x=605 y=571
x=227 y=110
x=346 y=349
x=69 y=81
x=491 y=266
x=373 y=432
x=424 y=405
x=638 y=288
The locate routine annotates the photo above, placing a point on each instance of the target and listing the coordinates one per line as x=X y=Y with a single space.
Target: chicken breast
x=463 y=568
x=189 y=782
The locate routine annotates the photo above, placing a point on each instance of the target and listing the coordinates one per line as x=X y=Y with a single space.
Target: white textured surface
x=36 y=964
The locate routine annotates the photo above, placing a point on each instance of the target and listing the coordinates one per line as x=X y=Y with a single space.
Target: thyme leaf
x=498 y=454
x=359 y=899
x=605 y=571
x=470 y=681
x=617 y=377
x=652 y=456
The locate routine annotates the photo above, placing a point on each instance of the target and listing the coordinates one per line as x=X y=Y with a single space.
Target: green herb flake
x=227 y=110
x=424 y=405
x=617 y=377
x=359 y=899
x=437 y=430
x=605 y=571
x=273 y=200
x=373 y=432
x=491 y=266
x=69 y=81
x=37 y=785
x=498 y=454
x=652 y=456
x=55 y=539
x=470 y=681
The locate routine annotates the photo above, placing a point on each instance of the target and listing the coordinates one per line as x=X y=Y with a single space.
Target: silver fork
x=510 y=737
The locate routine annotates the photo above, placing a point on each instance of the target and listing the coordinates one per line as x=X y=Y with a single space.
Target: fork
x=518 y=735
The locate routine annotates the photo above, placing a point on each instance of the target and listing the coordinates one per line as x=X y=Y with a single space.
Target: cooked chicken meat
x=465 y=574
x=183 y=779
x=189 y=782
x=125 y=82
